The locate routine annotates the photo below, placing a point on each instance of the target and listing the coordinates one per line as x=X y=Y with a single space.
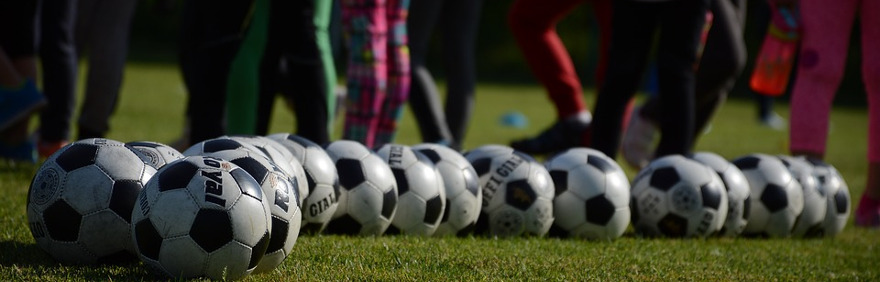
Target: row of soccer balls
x=197 y=217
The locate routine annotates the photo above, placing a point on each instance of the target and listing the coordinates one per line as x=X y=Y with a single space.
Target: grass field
x=151 y=108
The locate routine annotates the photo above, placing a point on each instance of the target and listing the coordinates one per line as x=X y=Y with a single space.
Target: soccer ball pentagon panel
x=678 y=197
x=809 y=223
x=155 y=154
x=738 y=192
x=368 y=190
x=323 y=181
x=282 y=192
x=463 y=193
x=421 y=197
x=202 y=216
x=837 y=192
x=776 y=197
x=517 y=194
x=80 y=201
x=592 y=195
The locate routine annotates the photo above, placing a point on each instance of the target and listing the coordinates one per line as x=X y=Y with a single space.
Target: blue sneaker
x=16 y=104
x=23 y=152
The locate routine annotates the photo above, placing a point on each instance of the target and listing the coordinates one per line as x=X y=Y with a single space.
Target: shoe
x=569 y=133
x=46 y=148
x=16 y=104
x=774 y=121
x=23 y=152
x=868 y=213
x=638 y=142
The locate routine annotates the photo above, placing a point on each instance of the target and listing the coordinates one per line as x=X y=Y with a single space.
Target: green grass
x=151 y=108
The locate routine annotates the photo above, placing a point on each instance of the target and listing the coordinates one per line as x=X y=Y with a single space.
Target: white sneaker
x=639 y=140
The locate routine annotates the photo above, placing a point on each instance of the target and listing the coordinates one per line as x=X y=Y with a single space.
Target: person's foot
x=774 y=121
x=638 y=141
x=569 y=133
x=868 y=213
x=22 y=152
x=16 y=104
x=47 y=148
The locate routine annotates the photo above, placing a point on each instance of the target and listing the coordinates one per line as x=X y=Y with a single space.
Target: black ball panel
x=520 y=194
x=351 y=173
x=62 y=221
x=774 y=198
x=177 y=175
x=211 y=229
x=149 y=242
x=599 y=210
x=123 y=197
x=77 y=156
x=664 y=178
x=432 y=210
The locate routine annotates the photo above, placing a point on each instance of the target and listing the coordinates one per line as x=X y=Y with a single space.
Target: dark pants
x=57 y=52
x=724 y=57
x=459 y=22
x=211 y=35
x=634 y=25
x=292 y=65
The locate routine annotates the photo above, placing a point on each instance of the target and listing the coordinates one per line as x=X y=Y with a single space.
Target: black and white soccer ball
x=463 y=192
x=837 y=196
x=517 y=192
x=202 y=216
x=738 y=192
x=368 y=190
x=809 y=223
x=323 y=181
x=283 y=158
x=282 y=191
x=220 y=144
x=776 y=197
x=592 y=195
x=155 y=154
x=80 y=201
x=678 y=197
x=421 y=197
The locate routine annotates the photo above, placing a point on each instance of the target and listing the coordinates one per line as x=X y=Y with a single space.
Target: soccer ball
x=592 y=195
x=738 y=192
x=837 y=193
x=809 y=223
x=368 y=198
x=282 y=191
x=202 y=216
x=776 y=197
x=421 y=198
x=463 y=193
x=80 y=201
x=219 y=144
x=323 y=181
x=517 y=193
x=283 y=158
x=678 y=197
x=155 y=154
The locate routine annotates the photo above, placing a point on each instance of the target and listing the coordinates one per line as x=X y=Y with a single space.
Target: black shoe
x=559 y=137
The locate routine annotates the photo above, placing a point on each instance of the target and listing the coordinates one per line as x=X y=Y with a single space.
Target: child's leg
x=366 y=29
x=826 y=27
x=397 y=72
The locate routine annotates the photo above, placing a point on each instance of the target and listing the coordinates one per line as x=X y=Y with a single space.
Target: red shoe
x=47 y=148
x=868 y=213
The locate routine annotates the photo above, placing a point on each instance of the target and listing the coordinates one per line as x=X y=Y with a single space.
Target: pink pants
x=826 y=34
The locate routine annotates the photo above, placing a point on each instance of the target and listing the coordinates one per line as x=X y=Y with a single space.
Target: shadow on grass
x=29 y=261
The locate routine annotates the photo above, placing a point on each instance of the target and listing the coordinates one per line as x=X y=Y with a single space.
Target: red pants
x=533 y=23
